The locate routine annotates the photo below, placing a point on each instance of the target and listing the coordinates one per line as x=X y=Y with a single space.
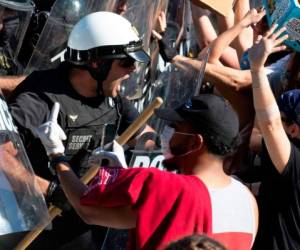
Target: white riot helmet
x=104 y=35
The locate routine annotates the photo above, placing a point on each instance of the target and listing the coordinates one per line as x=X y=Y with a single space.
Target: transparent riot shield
x=22 y=206
x=175 y=86
x=50 y=48
x=187 y=39
x=14 y=20
x=143 y=15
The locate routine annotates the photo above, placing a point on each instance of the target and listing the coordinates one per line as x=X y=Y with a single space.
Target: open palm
x=265 y=45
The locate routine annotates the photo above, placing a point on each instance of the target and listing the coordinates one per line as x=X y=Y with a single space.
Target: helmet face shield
x=140 y=56
x=135 y=50
x=133 y=87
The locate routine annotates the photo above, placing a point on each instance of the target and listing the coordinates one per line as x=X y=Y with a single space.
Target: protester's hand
x=265 y=45
x=253 y=17
x=114 y=158
x=51 y=134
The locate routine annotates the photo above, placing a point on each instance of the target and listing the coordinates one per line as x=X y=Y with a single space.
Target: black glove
x=56 y=196
x=166 y=52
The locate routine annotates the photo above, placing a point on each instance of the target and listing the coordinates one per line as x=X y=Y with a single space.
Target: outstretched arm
x=227 y=37
x=267 y=111
x=244 y=40
x=116 y=217
x=206 y=34
x=51 y=136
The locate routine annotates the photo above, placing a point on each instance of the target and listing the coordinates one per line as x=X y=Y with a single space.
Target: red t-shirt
x=168 y=206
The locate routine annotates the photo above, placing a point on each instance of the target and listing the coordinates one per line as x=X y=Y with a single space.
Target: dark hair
x=292 y=74
x=216 y=147
x=195 y=242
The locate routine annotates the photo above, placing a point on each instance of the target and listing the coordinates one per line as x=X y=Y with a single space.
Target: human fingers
x=281 y=39
x=278 y=48
x=260 y=15
x=161 y=22
x=156 y=35
x=271 y=30
x=278 y=33
x=164 y=20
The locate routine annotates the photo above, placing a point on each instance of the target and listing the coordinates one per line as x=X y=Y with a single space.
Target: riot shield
x=50 y=48
x=142 y=14
x=175 y=86
x=187 y=39
x=22 y=205
x=14 y=20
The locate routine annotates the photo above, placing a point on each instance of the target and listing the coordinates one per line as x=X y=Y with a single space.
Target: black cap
x=208 y=114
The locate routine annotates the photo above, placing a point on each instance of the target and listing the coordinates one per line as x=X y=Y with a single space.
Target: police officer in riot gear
x=102 y=50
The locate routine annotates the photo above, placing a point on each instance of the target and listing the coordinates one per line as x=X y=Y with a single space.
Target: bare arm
x=116 y=217
x=227 y=37
x=245 y=38
x=267 y=112
x=218 y=75
x=206 y=34
x=9 y=83
x=51 y=136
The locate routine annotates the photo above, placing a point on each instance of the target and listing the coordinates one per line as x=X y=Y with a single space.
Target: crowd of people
x=240 y=131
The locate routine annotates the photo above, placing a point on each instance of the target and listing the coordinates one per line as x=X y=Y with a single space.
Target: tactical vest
x=87 y=126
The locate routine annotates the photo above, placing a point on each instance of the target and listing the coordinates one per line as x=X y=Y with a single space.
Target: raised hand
x=252 y=17
x=51 y=134
x=265 y=45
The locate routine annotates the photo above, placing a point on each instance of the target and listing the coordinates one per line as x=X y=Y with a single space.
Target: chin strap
x=100 y=73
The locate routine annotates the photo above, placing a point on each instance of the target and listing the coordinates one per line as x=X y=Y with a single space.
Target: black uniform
x=83 y=119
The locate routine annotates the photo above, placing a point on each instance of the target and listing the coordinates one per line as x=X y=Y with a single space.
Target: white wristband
x=269 y=113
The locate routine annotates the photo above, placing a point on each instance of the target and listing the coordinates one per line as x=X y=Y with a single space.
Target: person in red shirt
x=158 y=206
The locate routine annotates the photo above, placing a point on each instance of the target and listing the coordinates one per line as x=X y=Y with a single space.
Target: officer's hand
x=57 y=197
x=51 y=134
x=166 y=51
x=114 y=158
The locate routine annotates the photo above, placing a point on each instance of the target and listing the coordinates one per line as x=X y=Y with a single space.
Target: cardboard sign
x=221 y=7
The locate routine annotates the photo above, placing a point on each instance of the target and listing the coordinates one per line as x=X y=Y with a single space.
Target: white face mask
x=165 y=138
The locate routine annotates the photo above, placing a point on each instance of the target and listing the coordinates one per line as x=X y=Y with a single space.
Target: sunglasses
x=126 y=62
